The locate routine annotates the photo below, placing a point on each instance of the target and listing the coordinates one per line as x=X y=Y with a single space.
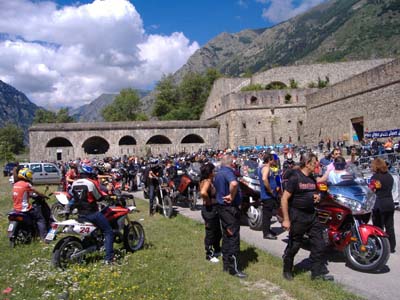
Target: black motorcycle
x=22 y=229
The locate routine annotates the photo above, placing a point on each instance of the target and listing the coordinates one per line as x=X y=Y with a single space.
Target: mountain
x=15 y=107
x=337 y=30
x=92 y=112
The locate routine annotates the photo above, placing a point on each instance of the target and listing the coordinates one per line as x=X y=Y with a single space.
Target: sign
x=383 y=134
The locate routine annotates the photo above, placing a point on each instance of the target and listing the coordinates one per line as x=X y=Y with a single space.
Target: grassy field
x=172 y=266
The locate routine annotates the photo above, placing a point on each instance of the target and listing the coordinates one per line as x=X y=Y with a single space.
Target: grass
x=172 y=266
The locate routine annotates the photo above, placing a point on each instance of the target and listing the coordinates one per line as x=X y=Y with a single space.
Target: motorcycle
x=250 y=191
x=345 y=209
x=21 y=227
x=163 y=201
x=84 y=237
x=188 y=185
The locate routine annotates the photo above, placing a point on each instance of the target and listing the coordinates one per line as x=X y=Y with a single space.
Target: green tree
x=44 y=116
x=167 y=96
x=184 y=101
x=11 y=139
x=126 y=107
x=63 y=116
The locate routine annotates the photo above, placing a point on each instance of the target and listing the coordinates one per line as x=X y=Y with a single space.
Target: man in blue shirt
x=268 y=194
x=228 y=201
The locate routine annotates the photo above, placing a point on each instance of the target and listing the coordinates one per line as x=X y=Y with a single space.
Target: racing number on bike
x=84 y=230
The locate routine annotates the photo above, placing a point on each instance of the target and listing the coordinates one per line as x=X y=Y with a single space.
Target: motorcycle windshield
x=351 y=191
x=249 y=168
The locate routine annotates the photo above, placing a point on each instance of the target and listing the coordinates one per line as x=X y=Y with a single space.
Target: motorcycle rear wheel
x=62 y=256
x=58 y=212
x=374 y=259
x=167 y=207
x=133 y=236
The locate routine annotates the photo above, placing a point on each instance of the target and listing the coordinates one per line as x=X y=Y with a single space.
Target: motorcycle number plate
x=10 y=227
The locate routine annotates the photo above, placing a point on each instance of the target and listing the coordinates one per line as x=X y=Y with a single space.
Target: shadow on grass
x=247 y=256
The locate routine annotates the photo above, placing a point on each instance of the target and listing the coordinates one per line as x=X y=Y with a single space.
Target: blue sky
x=69 y=52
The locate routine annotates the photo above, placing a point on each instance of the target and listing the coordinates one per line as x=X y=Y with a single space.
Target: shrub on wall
x=252 y=87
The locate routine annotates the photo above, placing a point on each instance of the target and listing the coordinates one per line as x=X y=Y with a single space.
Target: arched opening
x=192 y=138
x=127 y=140
x=159 y=139
x=95 y=145
x=275 y=85
x=59 y=142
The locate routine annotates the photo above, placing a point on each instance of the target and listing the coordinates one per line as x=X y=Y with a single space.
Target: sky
x=66 y=53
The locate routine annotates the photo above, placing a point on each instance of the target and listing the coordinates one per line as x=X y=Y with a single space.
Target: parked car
x=44 y=173
x=8 y=168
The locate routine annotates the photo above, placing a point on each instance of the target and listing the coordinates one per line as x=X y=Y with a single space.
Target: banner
x=382 y=134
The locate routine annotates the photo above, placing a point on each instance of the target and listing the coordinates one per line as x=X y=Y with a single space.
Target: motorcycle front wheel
x=62 y=256
x=372 y=258
x=58 y=212
x=167 y=207
x=192 y=198
x=133 y=236
x=254 y=217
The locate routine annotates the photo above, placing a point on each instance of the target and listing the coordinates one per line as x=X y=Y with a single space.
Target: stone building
x=72 y=140
x=361 y=96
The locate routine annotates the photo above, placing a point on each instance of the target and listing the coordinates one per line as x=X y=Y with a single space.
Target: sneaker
x=214 y=260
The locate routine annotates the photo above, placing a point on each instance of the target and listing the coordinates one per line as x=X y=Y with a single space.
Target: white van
x=44 y=173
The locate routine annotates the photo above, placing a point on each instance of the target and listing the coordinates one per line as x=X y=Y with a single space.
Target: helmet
x=86 y=169
x=289 y=156
x=25 y=174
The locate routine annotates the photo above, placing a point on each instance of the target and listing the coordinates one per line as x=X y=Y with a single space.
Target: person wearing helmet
x=22 y=191
x=87 y=192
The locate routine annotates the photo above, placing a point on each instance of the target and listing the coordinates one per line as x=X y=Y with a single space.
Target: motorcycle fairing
x=367 y=230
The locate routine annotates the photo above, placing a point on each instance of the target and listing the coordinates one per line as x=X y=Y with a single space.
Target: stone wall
x=373 y=96
x=304 y=74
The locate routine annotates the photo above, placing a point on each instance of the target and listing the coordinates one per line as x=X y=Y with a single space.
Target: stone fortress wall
x=372 y=98
x=262 y=117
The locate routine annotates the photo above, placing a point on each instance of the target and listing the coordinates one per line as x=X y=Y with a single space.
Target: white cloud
x=70 y=55
x=242 y=3
x=281 y=10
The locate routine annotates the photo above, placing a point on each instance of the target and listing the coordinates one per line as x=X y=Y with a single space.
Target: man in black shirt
x=299 y=217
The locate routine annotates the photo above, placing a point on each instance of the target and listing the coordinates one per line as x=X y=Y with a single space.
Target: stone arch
x=58 y=142
x=159 y=139
x=275 y=85
x=192 y=139
x=127 y=140
x=95 y=145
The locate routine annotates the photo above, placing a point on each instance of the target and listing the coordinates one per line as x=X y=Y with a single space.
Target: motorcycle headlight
x=355 y=206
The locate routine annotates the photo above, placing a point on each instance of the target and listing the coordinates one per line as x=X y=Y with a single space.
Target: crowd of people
x=296 y=191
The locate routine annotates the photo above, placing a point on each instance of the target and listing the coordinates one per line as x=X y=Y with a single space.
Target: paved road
x=383 y=286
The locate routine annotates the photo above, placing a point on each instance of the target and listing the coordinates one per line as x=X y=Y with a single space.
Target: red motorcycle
x=345 y=208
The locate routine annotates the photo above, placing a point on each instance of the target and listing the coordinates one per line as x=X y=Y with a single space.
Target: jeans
x=37 y=216
x=100 y=221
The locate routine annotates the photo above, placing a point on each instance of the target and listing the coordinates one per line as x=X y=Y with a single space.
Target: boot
x=231 y=267
x=287 y=267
